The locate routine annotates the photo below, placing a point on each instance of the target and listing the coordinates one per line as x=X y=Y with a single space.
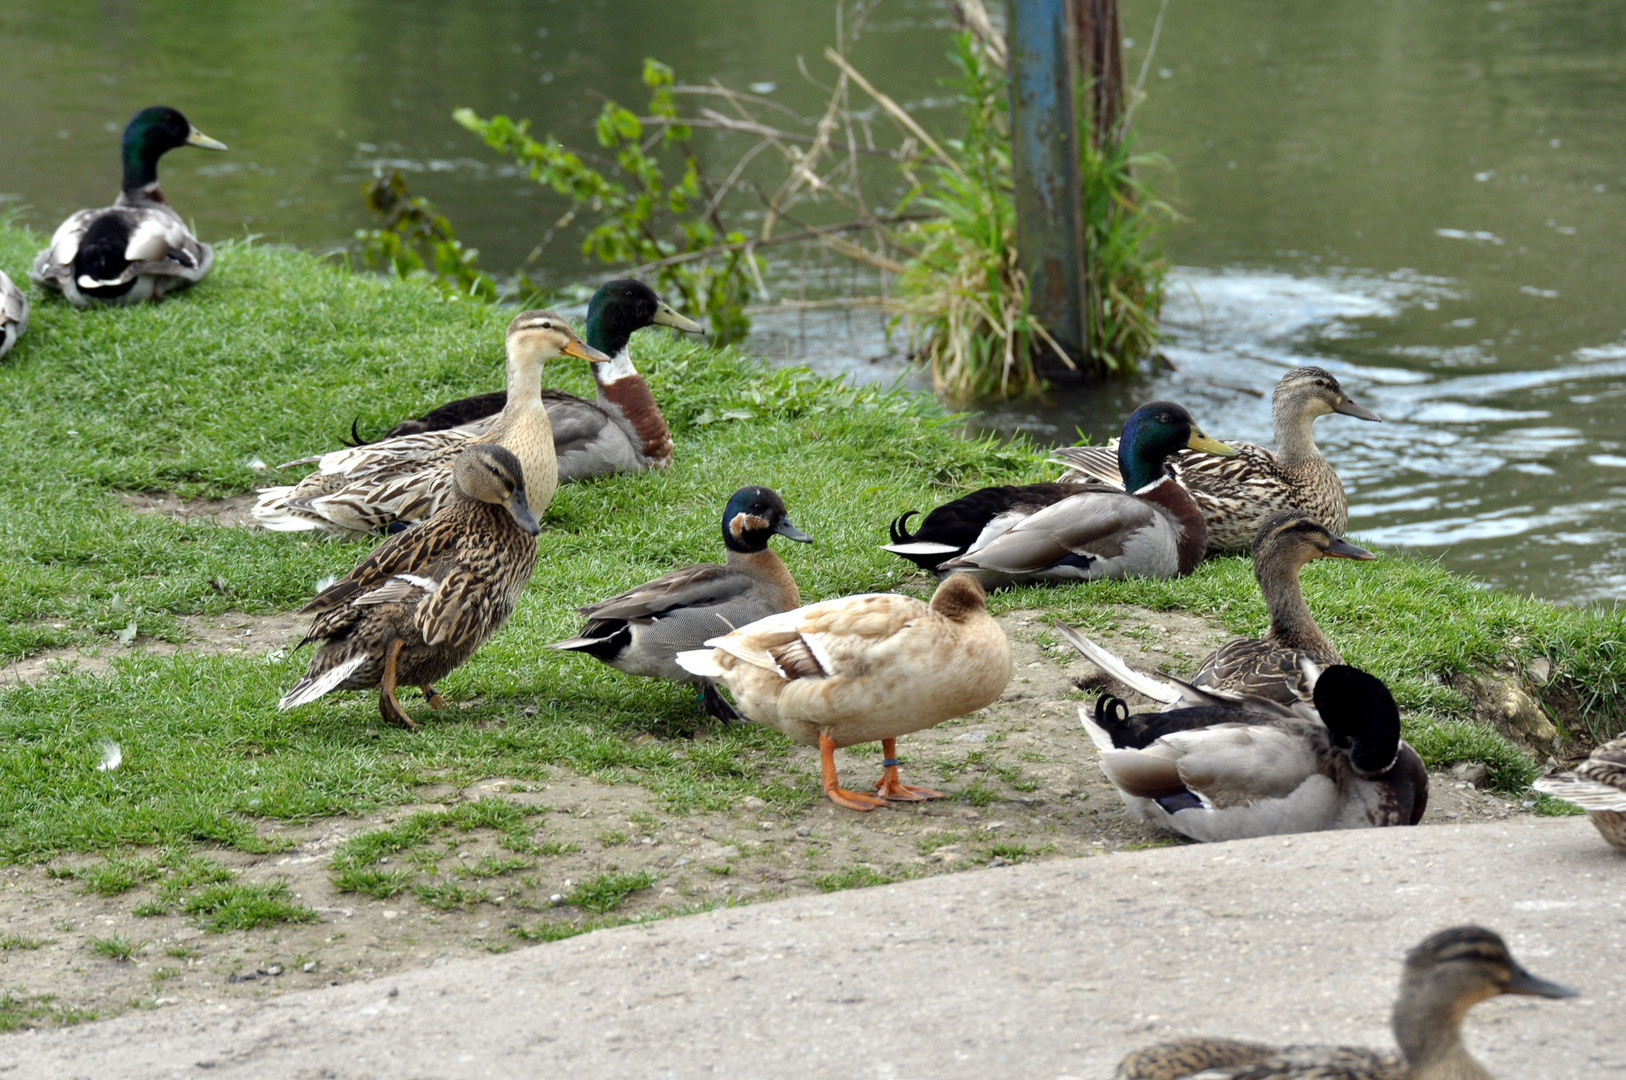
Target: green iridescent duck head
x=152 y=133
x=1152 y=434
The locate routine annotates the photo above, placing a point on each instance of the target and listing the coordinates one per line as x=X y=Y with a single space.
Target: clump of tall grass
x=964 y=295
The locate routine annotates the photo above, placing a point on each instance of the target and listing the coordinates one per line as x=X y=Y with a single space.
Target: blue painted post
x=1044 y=153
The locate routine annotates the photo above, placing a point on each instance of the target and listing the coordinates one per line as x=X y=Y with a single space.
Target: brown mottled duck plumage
x=420 y=605
x=1236 y=494
x=1597 y=785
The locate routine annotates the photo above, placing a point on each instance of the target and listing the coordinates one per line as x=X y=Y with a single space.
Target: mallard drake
x=1597 y=785
x=642 y=630
x=622 y=431
x=13 y=314
x=1236 y=493
x=426 y=598
x=1234 y=769
x=862 y=668
x=1445 y=976
x=1269 y=667
x=138 y=248
x=1046 y=532
x=403 y=480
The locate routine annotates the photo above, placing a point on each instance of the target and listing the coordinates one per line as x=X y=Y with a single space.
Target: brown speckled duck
x=1445 y=976
x=861 y=669
x=1598 y=786
x=367 y=488
x=416 y=608
x=1235 y=494
x=1270 y=667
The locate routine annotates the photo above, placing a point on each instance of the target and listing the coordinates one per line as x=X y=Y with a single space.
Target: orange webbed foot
x=853 y=800
x=892 y=788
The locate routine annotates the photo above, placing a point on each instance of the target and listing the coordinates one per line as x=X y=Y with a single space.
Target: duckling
x=418 y=606
x=641 y=631
x=13 y=314
x=622 y=431
x=862 y=668
x=1269 y=667
x=1022 y=535
x=1597 y=785
x=1446 y=975
x=1233 y=770
x=139 y=248
x=364 y=488
x=1235 y=494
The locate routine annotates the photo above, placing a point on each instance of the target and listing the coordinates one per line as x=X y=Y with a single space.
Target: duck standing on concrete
x=1598 y=786
x=1230 y=770
x=1445 y=976
x=139 y=248
x=642 y=630
x=368 y=488
x=622 y=430
x=864 y=668
x=417 y=607
x=13 y=314
x=1038 y=533
x=1236 y=493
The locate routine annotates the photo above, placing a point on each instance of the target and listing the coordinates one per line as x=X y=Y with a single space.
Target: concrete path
x=1036 y=971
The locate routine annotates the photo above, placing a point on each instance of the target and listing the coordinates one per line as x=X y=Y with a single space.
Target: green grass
x=853 y=877
x=605 y=892
x=19 y=1009
x=244 y=906
x=116 y=947
x=9 y=942
x=269 y=359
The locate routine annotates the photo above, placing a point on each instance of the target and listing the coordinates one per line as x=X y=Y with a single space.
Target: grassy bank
x=273 y=356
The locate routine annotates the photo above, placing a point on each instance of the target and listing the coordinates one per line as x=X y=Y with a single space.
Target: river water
x=1427 y=197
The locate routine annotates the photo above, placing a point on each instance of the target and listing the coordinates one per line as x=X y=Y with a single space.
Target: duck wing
x=698 y=586
x=1091 y=464
x=836 y=637
x=1120 y=532
x=418 y=552
x=587 y=439
x=1259 y=669
x=453 y=414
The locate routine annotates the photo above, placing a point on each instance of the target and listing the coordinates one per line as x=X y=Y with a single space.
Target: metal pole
x=1044 y=153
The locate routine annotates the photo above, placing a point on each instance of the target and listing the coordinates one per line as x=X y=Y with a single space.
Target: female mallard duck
x=1235 y=494
x=1597 y=785
x=1270 y=667
x=404 y=480
x=1058 y=532
x=13 y=314
x=417 y=607
x=863 y=668
x=1242 y=768
x=642 y=630
x=1445 y=976
x=622 y=431
x=138 y=248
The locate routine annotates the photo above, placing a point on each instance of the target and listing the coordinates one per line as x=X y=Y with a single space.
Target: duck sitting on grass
x=1236 y=493
x=13 y=314
x=864 y=668
x=138 y=248
x=1072 y=532
x=420 y=605
x=1598 y=786
x=1446 y=975
x=642 y=630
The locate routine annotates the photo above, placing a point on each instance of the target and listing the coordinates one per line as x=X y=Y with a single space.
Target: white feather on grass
x=112 y=757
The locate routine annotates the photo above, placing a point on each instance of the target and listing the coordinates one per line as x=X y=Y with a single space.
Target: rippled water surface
x=1427 y=197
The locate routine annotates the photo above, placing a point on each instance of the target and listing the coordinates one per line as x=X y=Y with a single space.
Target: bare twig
x=972 y=16
x=894 y=108
x=1145 y=66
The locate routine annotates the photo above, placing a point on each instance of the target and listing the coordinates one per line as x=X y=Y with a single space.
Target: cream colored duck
x=1446 y=975
x=1598 y=786
x=1236 y=493
x=1064 y=532
x=864 y=668
x=1271 y=666
x=642 y=630
x=13 y=314
x=622 y=430
x=366 y=488
x=139 y=248
x=1247 y=767
x=416 y=608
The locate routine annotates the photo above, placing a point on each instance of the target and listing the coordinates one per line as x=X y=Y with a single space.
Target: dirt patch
x=233 y=511
x=231 y=633
x=1022 y=777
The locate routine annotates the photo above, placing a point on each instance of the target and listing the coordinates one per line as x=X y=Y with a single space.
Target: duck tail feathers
x=899 y=529
x=311 y=687
x=1156 y=689
x=700 y=662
